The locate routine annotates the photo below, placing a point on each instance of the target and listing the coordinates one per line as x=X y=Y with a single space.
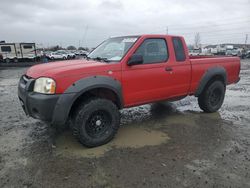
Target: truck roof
x=147 y=35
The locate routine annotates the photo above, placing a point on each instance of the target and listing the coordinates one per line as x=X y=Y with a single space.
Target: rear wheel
x=212 y=97
x=96 y=122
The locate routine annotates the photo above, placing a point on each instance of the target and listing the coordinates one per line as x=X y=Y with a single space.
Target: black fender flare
x=71 y=94
x=208 y=75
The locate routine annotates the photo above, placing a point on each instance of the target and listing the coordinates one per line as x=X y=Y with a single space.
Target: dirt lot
x=158 y=145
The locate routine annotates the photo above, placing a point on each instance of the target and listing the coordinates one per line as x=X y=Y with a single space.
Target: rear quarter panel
x=201 y=65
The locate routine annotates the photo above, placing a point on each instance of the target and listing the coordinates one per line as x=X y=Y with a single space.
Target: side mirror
x=135 y=60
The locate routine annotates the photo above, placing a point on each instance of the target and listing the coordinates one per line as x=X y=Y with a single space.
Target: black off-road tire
x=211 y=99
x=84 y=118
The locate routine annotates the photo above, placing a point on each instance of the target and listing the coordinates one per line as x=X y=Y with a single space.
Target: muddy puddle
x=147 y=131
x=127 y=137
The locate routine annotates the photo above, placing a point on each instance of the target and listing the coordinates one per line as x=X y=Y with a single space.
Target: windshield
x=113 y=49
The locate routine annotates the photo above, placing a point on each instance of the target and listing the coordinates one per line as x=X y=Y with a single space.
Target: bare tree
x=197 y=40
x=83 y=48
x=71 y=48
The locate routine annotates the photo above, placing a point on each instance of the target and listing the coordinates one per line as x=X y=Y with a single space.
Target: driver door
x=148 y=81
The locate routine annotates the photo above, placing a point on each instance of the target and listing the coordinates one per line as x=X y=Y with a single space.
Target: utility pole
x=84 y=35
x=197 y=40
x=167 y=30
x=246 y=42
x=246 y=39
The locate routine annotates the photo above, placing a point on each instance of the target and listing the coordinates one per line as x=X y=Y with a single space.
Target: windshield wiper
x=99 y=59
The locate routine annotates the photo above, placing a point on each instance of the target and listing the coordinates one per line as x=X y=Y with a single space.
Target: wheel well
x=215 y=78
x=218 y=78
x=104 y=93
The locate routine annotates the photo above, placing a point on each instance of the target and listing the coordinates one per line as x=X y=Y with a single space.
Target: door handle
x=169 y=69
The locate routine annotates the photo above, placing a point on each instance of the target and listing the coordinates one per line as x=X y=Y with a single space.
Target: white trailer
x=18 y=51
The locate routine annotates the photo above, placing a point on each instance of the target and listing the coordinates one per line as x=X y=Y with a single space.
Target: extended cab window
x=153 y=51
x=178 y=49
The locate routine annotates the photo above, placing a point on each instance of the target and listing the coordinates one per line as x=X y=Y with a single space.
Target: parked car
x=194 y=52
x=120 y=73
x=57 y=55
x=248 y=54
x=71 y=54
x=82 y=53
x=233 y=52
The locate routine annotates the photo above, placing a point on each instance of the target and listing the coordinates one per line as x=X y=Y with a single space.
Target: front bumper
x=36 y=105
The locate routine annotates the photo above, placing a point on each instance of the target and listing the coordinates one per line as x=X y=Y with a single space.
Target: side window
x=5 y=48
x=153 y=51
x=178 y=49
x=27 y=46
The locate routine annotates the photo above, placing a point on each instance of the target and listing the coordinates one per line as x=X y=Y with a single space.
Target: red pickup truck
x=122 y=72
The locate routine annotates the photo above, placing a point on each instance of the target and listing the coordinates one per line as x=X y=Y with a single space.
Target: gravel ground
x=158 y=145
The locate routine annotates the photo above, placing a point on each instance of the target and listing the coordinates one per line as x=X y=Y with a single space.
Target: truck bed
x=200 y=64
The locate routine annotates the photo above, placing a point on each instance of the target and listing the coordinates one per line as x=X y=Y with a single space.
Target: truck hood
x=67 y=68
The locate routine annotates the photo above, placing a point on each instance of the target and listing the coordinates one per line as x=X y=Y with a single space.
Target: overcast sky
x=88 y=22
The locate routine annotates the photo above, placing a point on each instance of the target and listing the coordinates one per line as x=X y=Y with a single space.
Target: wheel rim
x=98 y=123
x=215 y=97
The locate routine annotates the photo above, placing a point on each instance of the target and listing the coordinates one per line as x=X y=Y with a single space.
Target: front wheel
x=212 y=97
x=96 y=122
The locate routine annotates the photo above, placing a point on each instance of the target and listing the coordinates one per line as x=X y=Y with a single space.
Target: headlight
x=45 y=85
